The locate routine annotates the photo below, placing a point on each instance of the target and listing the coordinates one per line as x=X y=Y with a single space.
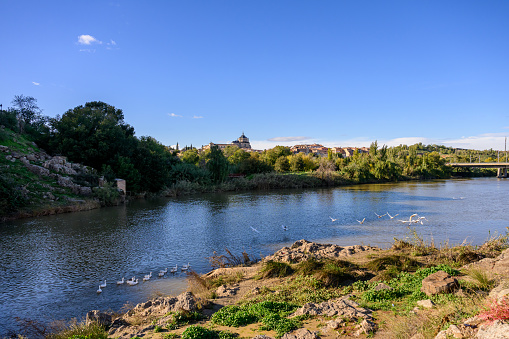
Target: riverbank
x=310 y=290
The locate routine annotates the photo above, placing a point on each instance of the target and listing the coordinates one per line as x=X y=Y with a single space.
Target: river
x=51 y=267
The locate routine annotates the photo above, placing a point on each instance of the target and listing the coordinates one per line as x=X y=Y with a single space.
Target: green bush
x=199 y=332
x=271 y=314
x=107 y=195
x=275 y=269
x=11 y=197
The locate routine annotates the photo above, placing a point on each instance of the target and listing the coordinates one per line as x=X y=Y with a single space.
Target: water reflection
x=53 y=265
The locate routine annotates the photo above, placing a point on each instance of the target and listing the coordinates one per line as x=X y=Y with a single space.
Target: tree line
x=96 y=135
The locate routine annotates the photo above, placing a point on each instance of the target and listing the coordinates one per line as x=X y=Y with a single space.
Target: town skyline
x=397 y=72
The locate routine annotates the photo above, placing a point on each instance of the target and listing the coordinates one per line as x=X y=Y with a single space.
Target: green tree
x=93 y=134
x=273 y=154
x=27 y=110
x=217 y=164
x=282 y=164
x=191 y=156
x=154 y=161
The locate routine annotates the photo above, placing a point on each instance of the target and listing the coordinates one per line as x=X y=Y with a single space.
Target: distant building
x=242 y=142
x=306 y=149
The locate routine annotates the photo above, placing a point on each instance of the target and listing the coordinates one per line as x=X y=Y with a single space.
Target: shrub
x=496 y=310
x=273 y=269
x=199 y=332
x=107 y=195
x=271 y=314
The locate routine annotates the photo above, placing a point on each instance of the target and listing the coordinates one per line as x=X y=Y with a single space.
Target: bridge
x=501 y=166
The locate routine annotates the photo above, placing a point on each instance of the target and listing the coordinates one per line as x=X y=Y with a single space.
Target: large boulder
x=342 y=307
x=439 y=282
x=99 y=317
x=498 y=330
x=301 y=333
x=302 y=250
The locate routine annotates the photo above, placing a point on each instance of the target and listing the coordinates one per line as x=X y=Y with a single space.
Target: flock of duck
x=134 y=281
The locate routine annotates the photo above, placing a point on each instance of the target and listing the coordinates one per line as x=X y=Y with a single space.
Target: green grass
x=275 y=269
x=272 y=315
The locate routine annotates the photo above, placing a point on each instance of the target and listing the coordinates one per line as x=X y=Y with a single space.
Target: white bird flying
x=254 y=229
x=392 y=216
x=379 y=216
x=361 y=222
x=331 y=218
x=410 y=220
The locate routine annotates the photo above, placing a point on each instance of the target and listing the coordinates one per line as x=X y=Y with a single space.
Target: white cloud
x=35 y=83
x=289 y=139
x=197 y=117
x=86 y=39
x=173 y=115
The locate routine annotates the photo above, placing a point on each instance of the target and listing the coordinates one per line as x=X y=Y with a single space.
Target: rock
x=382 y=286
x=339 y=307
x=302 y=250
x=454 y=331
x=499 y=292
x=334 y=324
x=439 y=282
x=497 y=330
x=38 y=170
x=262 y=336
x=426 y=303
x=301 y=333
x=224 y=291
x=86 y=191
x=497 y=266
x=366 y=327
x=158 y=308
x=441 y=335
x=31 y=157
x=99 y=317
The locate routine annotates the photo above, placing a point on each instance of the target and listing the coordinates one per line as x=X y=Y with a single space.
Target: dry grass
x=427 y=323
x=230 y=259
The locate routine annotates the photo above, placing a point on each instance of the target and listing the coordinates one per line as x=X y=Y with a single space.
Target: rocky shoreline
x=337 y=317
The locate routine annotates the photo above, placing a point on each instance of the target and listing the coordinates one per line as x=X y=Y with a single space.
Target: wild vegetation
x=96 y=135
x=283 y=288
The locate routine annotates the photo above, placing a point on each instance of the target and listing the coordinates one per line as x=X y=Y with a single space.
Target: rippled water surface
x=51 y=267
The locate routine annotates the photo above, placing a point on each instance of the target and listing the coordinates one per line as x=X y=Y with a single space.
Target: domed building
x=242 y=142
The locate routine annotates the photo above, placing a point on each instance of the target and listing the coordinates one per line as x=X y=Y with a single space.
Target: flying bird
x=331 y=218
x=254 y=229
x=410 y=220
x=361 y=222
x=392 y=216
x=379 y=216
x=284 y=227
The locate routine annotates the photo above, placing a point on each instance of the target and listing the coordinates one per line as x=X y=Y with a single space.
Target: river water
x=51 y=267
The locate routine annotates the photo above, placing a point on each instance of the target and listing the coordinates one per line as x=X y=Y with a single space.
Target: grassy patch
x=275 y=269
x=200 y=332
x=272 y=315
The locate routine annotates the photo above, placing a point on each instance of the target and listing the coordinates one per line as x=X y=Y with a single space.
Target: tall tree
x=217 y=164
x=27 y=110
x=93 y=134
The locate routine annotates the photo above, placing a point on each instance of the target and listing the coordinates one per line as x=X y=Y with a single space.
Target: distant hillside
x=33 y=183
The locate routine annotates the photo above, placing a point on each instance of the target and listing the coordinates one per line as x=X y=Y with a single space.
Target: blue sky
x=339 y=73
